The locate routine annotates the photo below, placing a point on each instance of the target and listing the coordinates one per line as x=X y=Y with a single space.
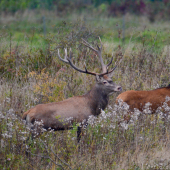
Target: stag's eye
x=104 y=82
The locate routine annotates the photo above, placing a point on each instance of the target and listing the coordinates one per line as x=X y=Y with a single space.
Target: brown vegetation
x=34 y=75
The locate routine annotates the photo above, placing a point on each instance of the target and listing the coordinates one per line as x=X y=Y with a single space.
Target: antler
x=65 y=57
x=69 y=61
x=99 y=53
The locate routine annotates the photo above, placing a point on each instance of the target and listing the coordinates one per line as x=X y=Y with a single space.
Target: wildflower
x=6 y=135
x=27 y=105
x=167 y=99
x=168 y=117
x=109 y=107
x=73 y=138
x=114 y=113
x=125 y=106
x=124 y=125
x=84 y=122
x=103 y=114
x=166 y=107
x=112 y=126
x=7 y=99
x=161 y=115
x=39 y=123
x=147 y=109
x=68 y=120
x=141 y=138
x=23 y=138
x=136 y=114
x=1 y=115
x=91 y=120
x=35 y=101
x=22 y=132
x=10 y=111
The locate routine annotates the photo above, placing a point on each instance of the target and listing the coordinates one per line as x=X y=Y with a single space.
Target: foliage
x=151 y=8
x=16 y=60
x=47 y=88
x=36 y=73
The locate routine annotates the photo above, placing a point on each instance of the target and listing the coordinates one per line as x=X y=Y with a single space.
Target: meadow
x=31 y=73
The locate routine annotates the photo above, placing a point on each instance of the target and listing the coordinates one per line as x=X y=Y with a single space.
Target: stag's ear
x=98 y=78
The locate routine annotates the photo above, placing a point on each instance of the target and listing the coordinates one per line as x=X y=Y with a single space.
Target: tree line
x=111 y=7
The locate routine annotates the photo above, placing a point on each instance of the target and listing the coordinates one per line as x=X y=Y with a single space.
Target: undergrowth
x=32 y=74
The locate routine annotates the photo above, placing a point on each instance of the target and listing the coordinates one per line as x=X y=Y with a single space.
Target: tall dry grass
x=31 y=76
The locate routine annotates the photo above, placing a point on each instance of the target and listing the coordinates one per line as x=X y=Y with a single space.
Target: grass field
x=31 y=73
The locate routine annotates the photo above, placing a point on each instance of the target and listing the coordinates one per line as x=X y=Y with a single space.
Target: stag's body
x=61 y=115
x=138 y=99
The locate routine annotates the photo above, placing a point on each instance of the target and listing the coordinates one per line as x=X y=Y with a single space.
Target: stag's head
x=104 y=80
x=106 y=84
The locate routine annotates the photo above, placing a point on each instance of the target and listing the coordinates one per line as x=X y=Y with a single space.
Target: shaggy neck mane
x=98 y=100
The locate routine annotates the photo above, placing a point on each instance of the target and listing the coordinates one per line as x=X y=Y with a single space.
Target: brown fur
x=138 y=99
x=61 y=115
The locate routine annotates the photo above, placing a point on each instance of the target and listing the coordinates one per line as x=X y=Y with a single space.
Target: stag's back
x=59 y=113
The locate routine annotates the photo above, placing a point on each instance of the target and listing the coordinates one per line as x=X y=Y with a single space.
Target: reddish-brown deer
x=61 y=115
x=138 y=99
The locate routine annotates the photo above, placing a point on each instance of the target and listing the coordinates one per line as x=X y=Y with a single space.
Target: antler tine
x=109 y=63
x=88 y=45
x=82 y=71
x=65 y=57
x=104 y=67
x=99 y=53
x=116 y=64
x=101 y=43
x=68 y=60
x=86 y=71
x=70 y=54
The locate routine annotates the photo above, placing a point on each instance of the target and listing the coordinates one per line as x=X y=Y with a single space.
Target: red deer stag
x=138 y=99
x=77 y=108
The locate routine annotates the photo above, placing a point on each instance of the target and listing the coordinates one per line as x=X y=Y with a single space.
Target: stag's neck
x=97 y=100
